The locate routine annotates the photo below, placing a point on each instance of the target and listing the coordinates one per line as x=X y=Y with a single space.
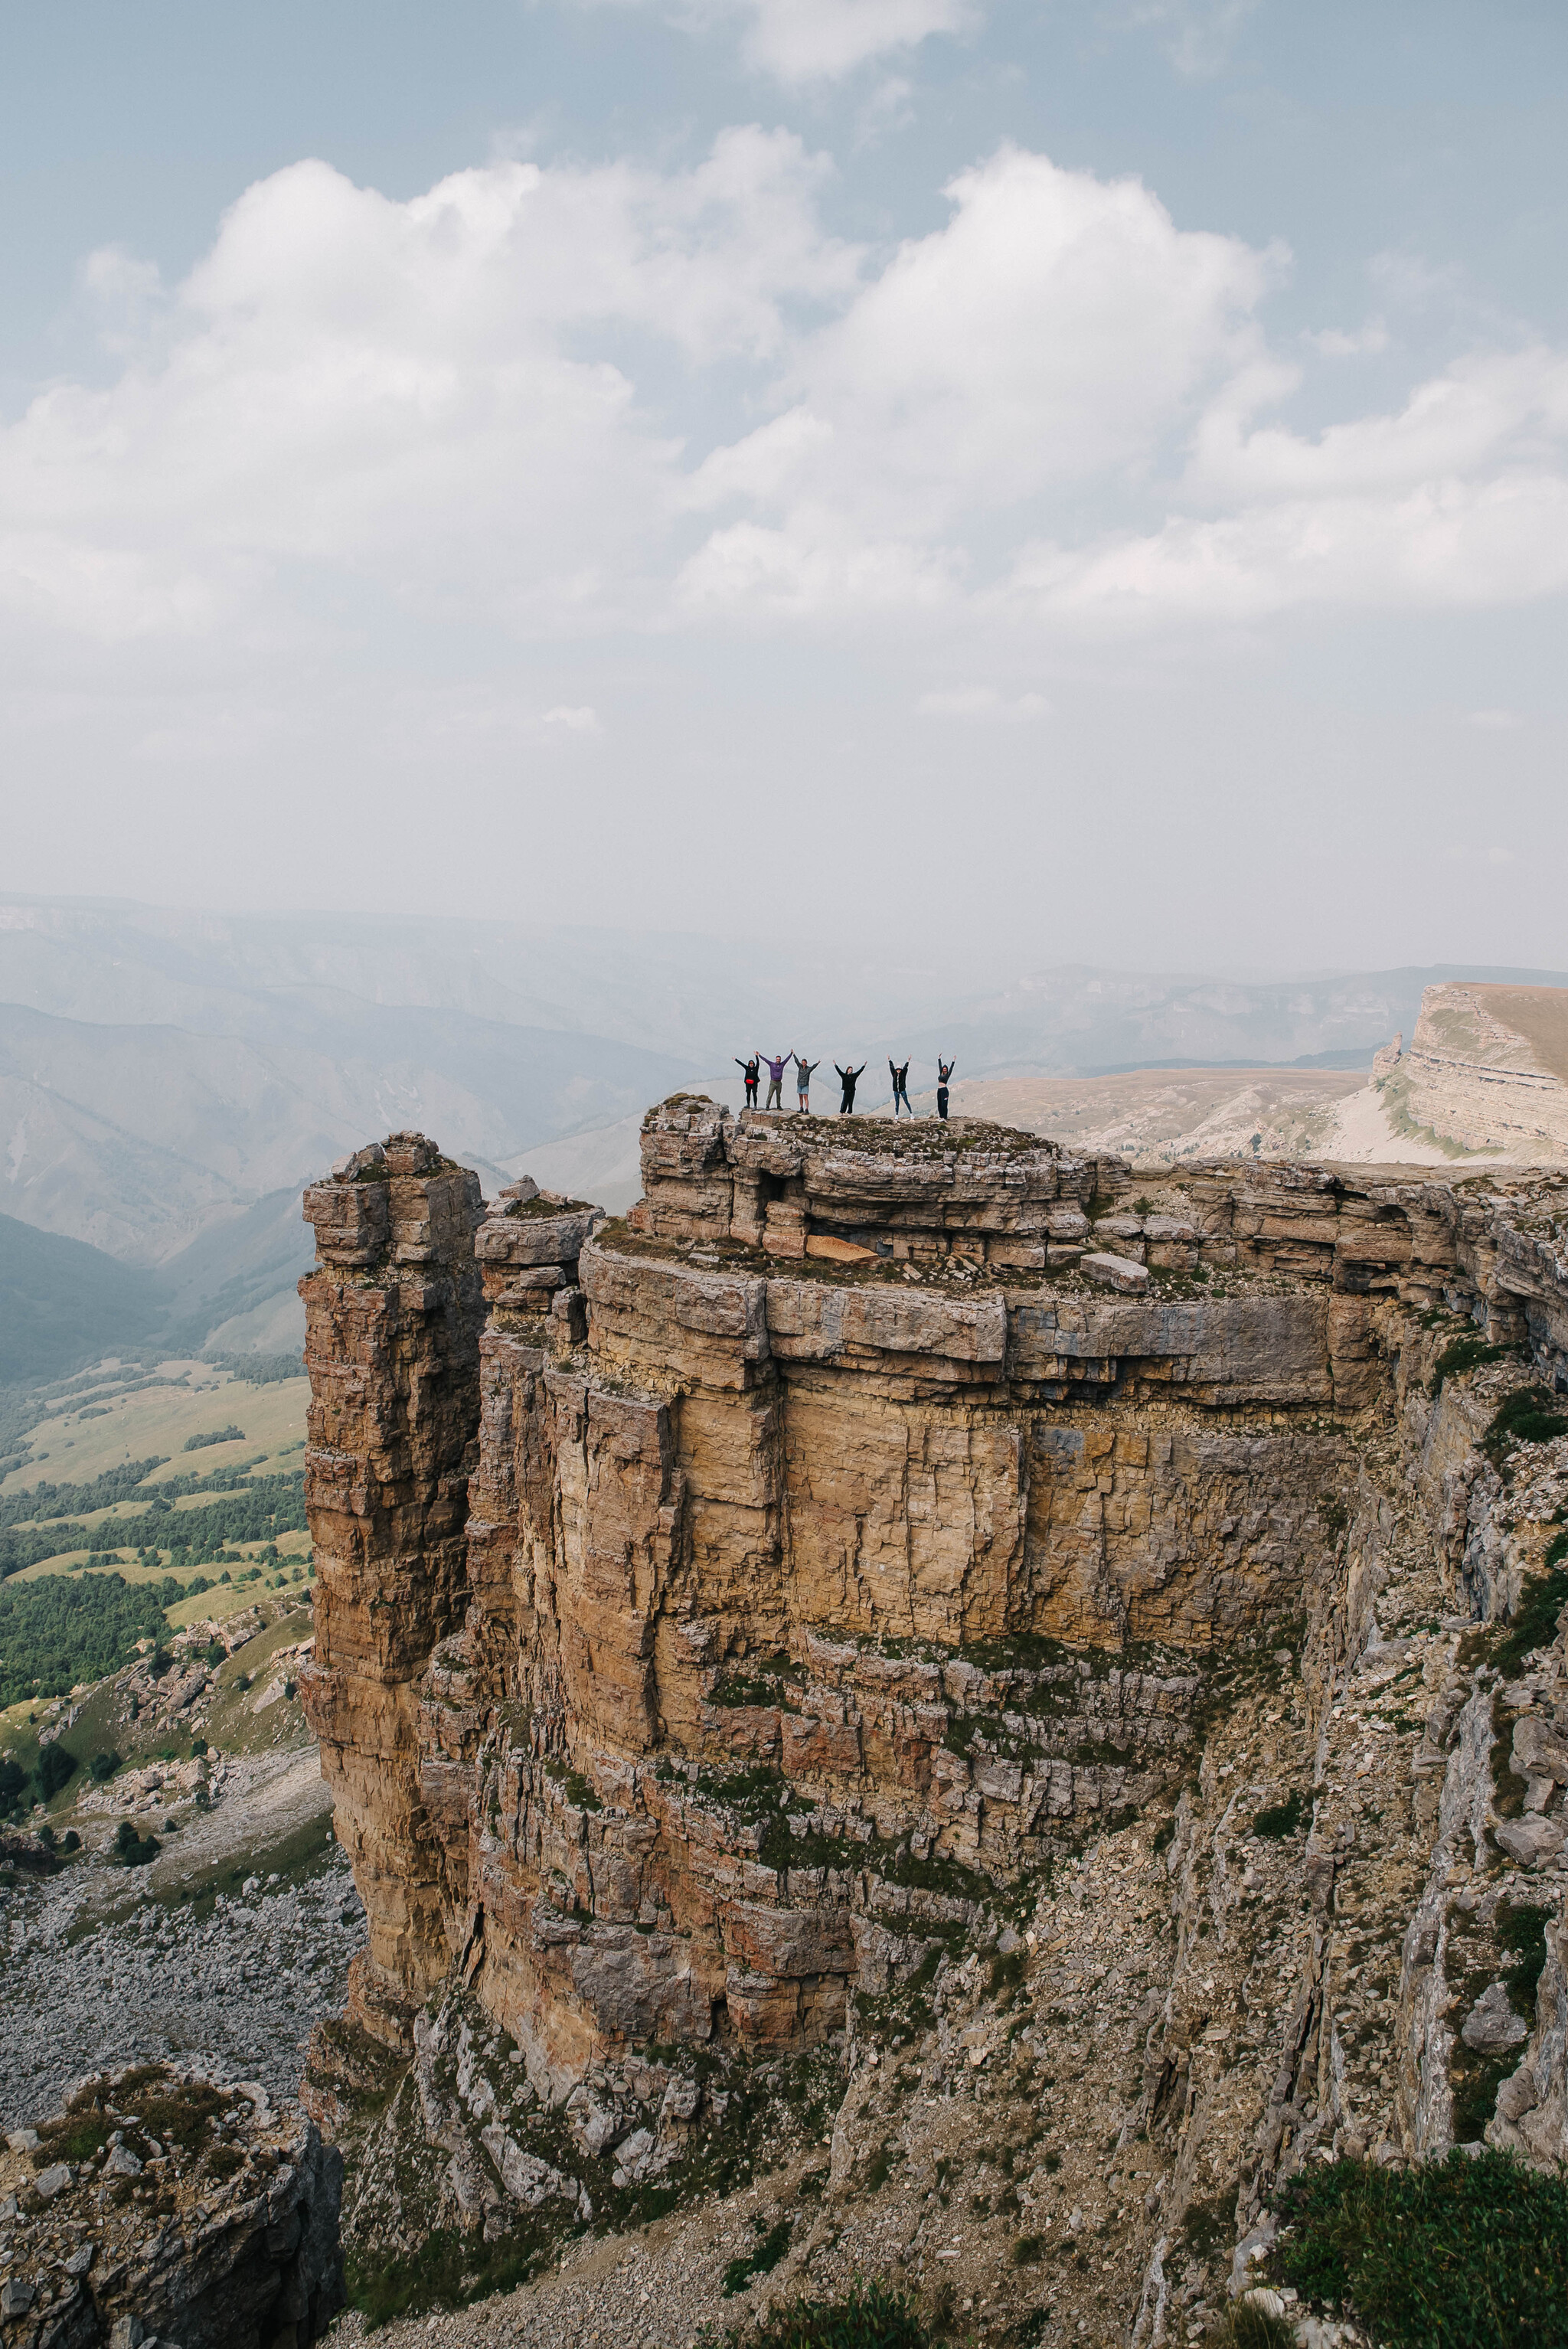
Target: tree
x=57 y=1768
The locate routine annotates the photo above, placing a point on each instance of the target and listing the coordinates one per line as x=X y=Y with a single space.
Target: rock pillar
x=393 y=1315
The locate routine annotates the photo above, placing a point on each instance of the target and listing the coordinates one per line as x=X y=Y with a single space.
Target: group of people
x=776 y=1064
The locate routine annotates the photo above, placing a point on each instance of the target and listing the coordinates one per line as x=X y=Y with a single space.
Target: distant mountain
x=64 y=1304
x=167 y=1077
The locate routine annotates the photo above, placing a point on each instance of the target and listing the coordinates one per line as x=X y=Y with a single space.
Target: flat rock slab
x=1116 y=1272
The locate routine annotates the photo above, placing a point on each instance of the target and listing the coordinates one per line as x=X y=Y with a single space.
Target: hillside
x=63 y=1303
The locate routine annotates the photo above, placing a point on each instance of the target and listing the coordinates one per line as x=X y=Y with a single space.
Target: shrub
x=762 y=2260
x=1534 y=1623
x=1526 y=1416
x=102 y=1767
x=57 y=1768
x=1455 y=2254
x=1247 y=2326
x=1283 y=1819
x=133 y=1850
x=70 y=1840
x=1464 y=1354
x=13 y=1779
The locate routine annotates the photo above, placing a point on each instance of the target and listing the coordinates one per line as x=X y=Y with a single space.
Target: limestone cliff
x=723 y=1611
x=1487 y=1071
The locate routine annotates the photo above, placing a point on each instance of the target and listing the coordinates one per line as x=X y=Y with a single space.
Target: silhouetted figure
x=899 y=1086
x=776 y=1079
x=943 y=1070
x=848 y=1078
x=750 y=1069
x=803 y=1082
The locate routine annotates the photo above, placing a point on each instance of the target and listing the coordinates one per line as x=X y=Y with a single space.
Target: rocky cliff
x=893 y=1553
x=1487 y=1071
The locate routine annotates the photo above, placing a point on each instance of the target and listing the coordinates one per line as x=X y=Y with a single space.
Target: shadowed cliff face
x=728 y=1613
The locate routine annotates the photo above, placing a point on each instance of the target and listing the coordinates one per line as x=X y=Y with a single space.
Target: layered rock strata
x=708 y=1625
x=1487 y=1069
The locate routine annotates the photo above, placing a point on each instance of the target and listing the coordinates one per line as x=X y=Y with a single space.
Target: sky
x=1013 y=482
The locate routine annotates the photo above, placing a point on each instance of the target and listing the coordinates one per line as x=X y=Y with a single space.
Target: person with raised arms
x=848 y=1078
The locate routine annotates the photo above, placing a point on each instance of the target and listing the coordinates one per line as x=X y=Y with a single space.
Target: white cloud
x=1496 y=721
x=1057 y=410
x=817 y=40
x=574 y=721
x=1335 y=343
x=983 y=701
x=416 y=393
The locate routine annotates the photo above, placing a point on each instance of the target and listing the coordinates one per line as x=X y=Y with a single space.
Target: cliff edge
x=832 y=1605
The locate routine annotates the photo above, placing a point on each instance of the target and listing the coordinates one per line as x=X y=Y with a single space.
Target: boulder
x=1118 y=1272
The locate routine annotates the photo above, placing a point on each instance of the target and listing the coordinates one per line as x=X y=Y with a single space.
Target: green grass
x=447 y=2271
x=1467 y=2253
x=869 y=2318
x=1464 y=1354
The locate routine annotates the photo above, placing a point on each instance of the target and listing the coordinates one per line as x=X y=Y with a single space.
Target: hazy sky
x=1059 y=481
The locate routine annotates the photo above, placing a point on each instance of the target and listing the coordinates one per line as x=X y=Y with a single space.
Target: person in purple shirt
x=775 y=1068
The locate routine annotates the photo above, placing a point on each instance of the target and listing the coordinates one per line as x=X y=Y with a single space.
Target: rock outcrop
x=158 y=2207
x=724 y=1608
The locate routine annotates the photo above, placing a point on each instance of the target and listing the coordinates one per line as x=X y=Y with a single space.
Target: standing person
x=848 y=1078
x=750 y=1069
x=943 y=1070
x=803 y=1082
x=776 y=1079
x=899 y=1086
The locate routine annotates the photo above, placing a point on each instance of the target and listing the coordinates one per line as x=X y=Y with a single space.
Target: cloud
x=1197 y=36
x=815 y=40
x=556 y=401
x=574 y=721
x=420 y=395
x=1496 y=721
x=983 y=701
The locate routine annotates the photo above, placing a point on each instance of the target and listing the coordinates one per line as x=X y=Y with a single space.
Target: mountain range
x=168 y=1079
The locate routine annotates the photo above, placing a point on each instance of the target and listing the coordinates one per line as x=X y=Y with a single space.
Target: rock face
x=707 y=1600
x=393 y=1315
x=1486 y=1068
x=159 y=2207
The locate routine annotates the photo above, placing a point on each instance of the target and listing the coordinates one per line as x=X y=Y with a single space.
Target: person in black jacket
x=750 y=1069
x=848 y=1079
x=943 y=1070
x=899 y=1085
